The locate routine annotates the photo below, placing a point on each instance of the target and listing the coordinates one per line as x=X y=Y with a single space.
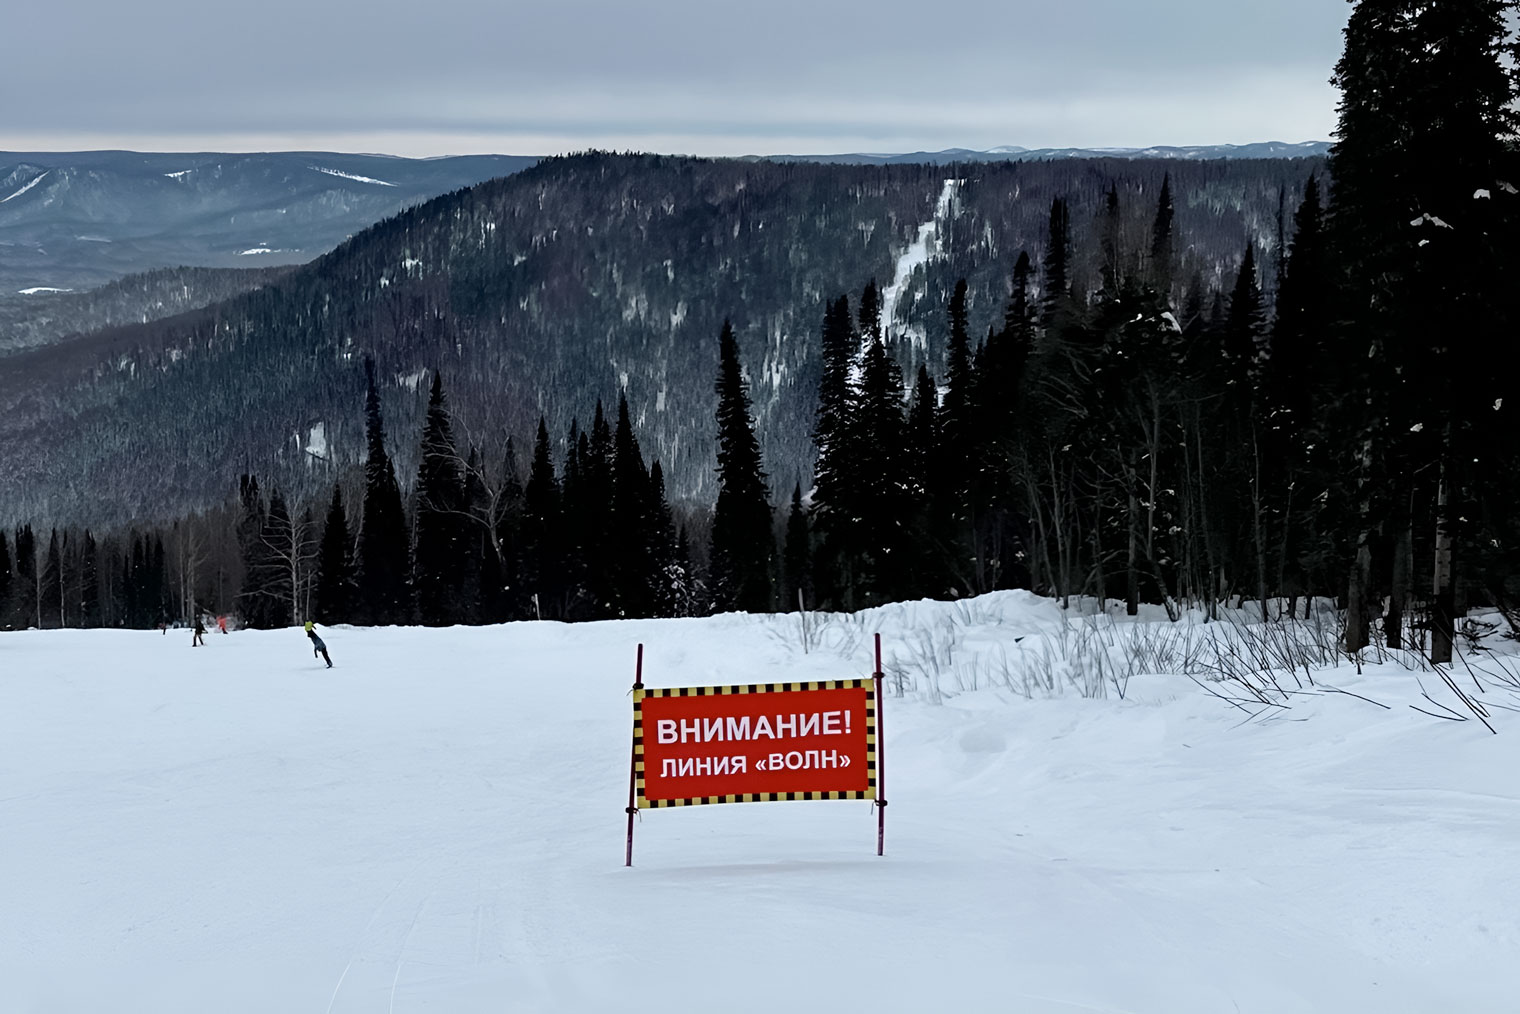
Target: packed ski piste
x=1089 y=812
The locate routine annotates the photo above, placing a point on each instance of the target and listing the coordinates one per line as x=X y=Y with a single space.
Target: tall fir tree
x=672 y=577
x=924 y=480
x=382 y=556
x=1244 y=325
x=542 y=545
x=743 y=543
x=50 y=586
x=836 y=476
x=444 y=595
x=335 y=566
x=881 y=503
x=953 y=503
x=89 y=583
x=507 y=592
x=630 y=525
x=6 y=581
x=1423 y=234
x=1163 y=258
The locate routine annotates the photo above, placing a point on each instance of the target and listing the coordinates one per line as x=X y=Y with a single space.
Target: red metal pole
x=633 y=763
x=881 y=759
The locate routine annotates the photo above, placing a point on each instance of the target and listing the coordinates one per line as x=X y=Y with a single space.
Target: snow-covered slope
x=437 y=825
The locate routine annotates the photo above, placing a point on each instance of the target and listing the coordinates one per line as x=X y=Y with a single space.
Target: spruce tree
x=1423 y=234
x=924 y=483
x=881 y=504
x=630 y=525
x=50 y=586
x=1111 y=271
x=157 y=583
x=542 y=546
x=742 y=539
x=672 y=580
x=1243 y=333
x=833 y=398
x=836 y=476
x=507 y=590
x=381 y=558
x=335 y=573
x=444 y=596
x=1057 y=263
x=870 y=311
x=579 y=515
x=6 y=581
x=796 y=554
x=134 y=576
x=89 y=583
x=1162 y=262
x=953 y=504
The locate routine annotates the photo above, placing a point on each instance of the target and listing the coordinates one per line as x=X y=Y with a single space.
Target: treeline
x=136 y=578
x=1331 y=418
x=480 y=541
x=1351 y=437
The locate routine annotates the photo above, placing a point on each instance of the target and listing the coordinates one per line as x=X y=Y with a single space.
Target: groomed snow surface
x=437 y=824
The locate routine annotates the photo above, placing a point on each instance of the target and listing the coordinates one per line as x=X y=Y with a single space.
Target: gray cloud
x=679 y=75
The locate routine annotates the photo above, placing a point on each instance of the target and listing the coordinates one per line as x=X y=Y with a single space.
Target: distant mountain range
x=99 y=238
x=1260 y=149
x=74 y=220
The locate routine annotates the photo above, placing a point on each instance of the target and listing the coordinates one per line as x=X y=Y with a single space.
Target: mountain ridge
x=578 y=279
x=77 y=220
x=1255 y=149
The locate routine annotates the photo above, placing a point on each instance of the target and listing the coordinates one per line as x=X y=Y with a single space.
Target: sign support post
x=633 y=761
x=881 y=759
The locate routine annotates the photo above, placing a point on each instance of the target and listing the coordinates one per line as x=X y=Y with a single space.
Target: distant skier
x=221 y=624
x=199 y=638
x=317 y=645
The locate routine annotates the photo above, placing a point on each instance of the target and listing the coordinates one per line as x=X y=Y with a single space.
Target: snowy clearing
x=437 y=825
x=915 y=256
x=351 y=176
x=29 y=185
x=38 y=290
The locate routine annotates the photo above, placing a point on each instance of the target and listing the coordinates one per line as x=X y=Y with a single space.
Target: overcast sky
x=413 y=77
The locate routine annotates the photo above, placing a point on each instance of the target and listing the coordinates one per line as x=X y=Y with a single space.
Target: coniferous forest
x=1333 y=418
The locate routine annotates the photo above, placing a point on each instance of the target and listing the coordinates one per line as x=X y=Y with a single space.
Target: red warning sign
x=755 y=743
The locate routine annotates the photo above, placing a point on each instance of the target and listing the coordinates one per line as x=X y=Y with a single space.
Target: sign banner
x=757 y=743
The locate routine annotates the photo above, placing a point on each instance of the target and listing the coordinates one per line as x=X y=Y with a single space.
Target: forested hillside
x=28 y=320
x=579 y=279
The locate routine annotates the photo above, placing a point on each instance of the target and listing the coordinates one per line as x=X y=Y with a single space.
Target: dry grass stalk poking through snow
x=1031 y=647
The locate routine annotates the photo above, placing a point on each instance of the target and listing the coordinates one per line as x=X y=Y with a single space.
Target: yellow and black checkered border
x=751 y=797
x=755 y=688
x=867 y=684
